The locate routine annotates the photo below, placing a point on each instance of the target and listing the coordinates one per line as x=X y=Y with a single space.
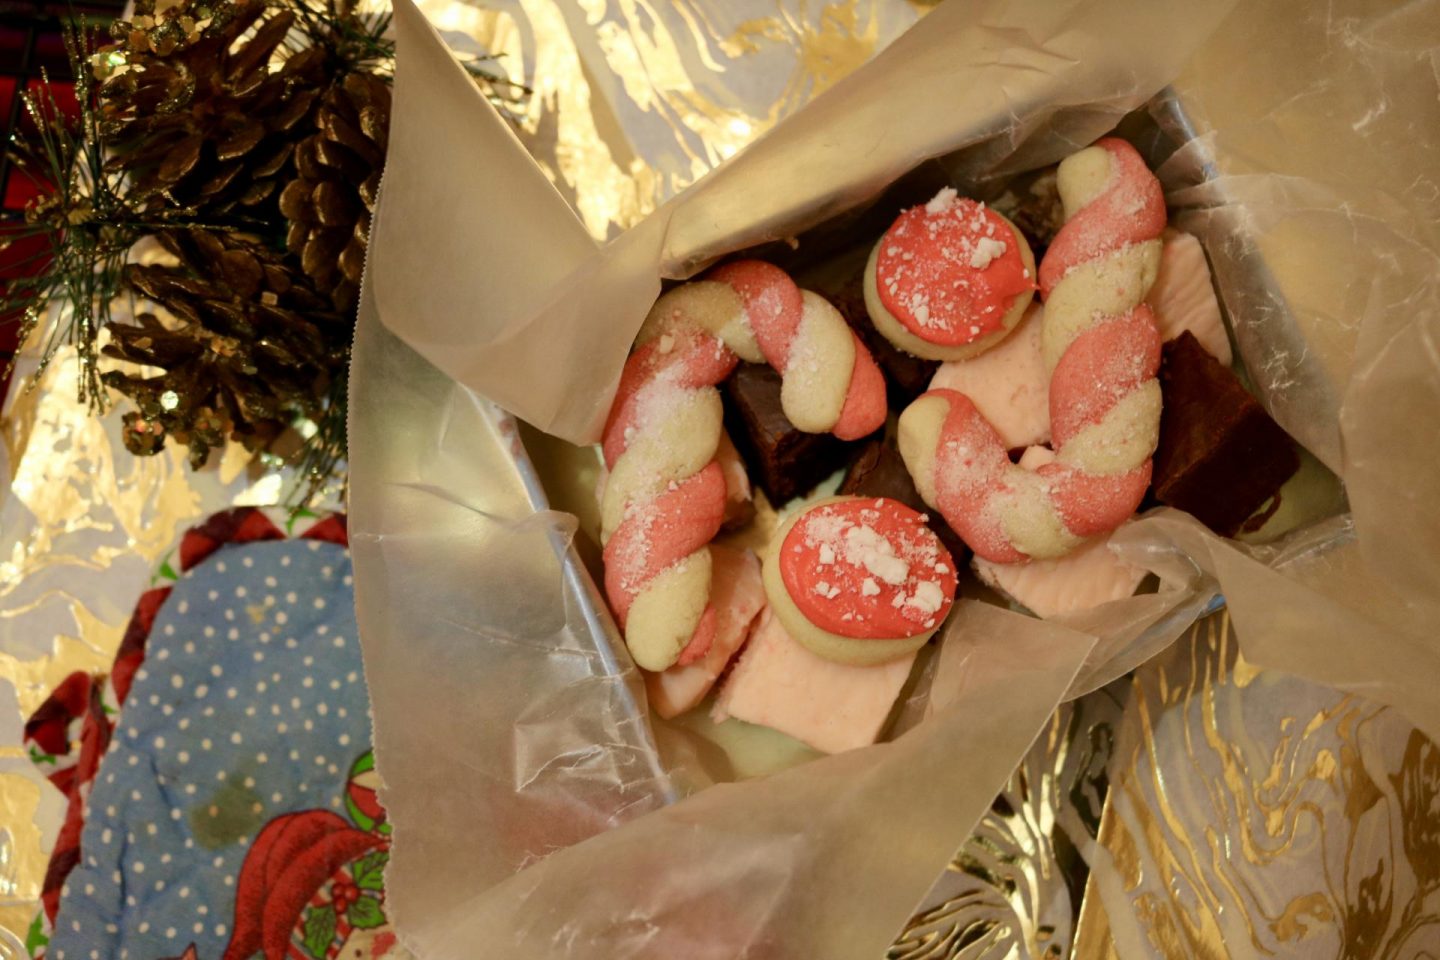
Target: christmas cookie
x=1102 y=349
x=1009 y=384
x=738 y=597
x=949 y=279
x=859 y=580
x=1086 y=577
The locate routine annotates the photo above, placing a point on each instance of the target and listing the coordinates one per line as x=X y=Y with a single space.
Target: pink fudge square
x=832 y=707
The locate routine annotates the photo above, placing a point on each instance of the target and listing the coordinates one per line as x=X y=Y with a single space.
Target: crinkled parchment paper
x=488 y=273
x=505 y=722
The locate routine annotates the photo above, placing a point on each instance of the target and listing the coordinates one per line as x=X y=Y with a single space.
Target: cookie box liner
x=536 y=808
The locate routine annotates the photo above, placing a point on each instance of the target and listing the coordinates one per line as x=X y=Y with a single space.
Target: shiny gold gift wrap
x=1254 y=813
x=636 y=99
x=1014 y=888
x=1246 y=812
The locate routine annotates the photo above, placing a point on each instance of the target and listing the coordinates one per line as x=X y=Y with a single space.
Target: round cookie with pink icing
x=949 y=279
x=859 y=580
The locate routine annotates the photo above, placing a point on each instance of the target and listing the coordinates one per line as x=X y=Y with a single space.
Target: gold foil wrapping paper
x=1014 y=888
x=1284 y=84
x=1023 y=85
x=636 y=99
x=1253 y=813
x=1245 y=813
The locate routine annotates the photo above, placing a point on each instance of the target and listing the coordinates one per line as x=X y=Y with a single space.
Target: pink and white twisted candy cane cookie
x=1103 y=352
x=665 y=497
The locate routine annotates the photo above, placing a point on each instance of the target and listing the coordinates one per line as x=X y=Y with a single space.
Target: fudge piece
x=1183 y=296
x=1220 y=456
x=830 y=706
x=739 y=501
x=1032 y=203
x=784 y=461
x=1086 y=577
x=738 y=595
x=879 y=471
x=1008 y=383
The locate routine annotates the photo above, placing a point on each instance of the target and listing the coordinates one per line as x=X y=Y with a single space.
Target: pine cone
x=206 y=134
x=338 y=169
x=198 y=119
x=199 y=125
x=254 y=346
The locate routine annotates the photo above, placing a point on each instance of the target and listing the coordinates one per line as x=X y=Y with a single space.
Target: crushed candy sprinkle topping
x=867 y=569
x=949 y=270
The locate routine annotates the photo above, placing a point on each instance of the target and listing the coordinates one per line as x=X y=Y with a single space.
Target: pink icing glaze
x=688 y=516
x=1131 y=210
x=925 y=278
x=833 y=595
x=1099 y=368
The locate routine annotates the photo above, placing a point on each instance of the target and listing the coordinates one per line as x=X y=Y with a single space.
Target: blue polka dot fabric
x=233 y=815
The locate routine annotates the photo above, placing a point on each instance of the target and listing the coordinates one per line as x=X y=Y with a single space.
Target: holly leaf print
x=369 y=872
x=319 y=930
x=38 y=756
x=35 y=940
x=300 y=513
x=366 y=914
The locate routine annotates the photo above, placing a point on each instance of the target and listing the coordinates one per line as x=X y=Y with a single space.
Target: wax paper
x=481 y=268
x=541 y=319
x=1318 y=205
